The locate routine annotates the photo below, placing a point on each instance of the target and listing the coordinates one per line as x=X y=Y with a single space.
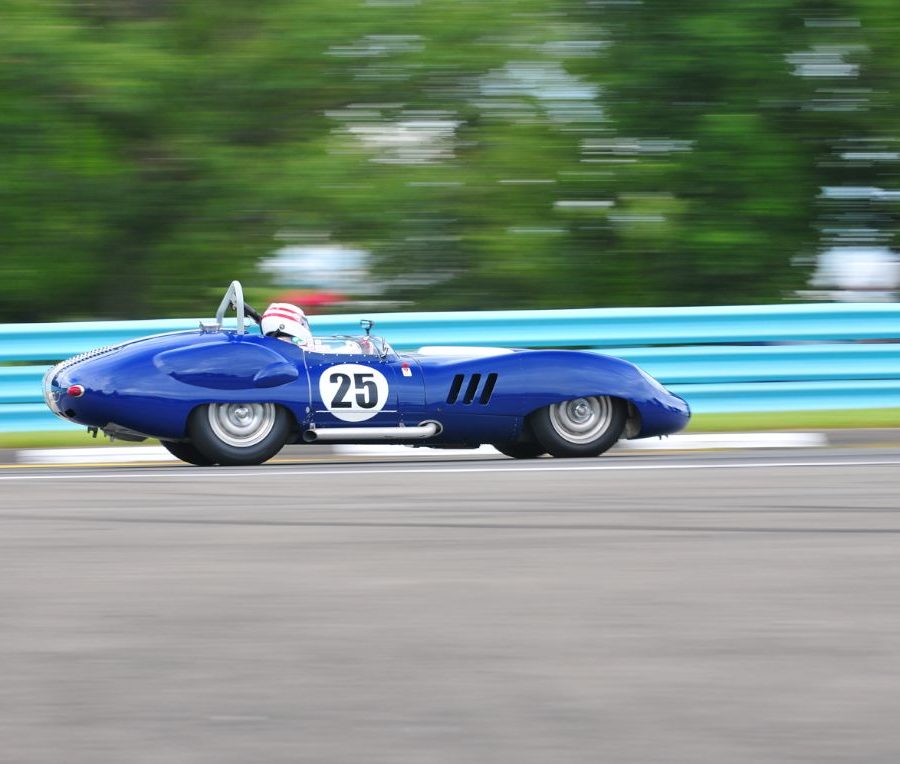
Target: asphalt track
x=681 y=608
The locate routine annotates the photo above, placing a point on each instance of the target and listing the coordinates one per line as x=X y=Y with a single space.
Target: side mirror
x=367 y=325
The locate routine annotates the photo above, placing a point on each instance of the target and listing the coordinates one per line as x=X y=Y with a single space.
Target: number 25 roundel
x=353 y=392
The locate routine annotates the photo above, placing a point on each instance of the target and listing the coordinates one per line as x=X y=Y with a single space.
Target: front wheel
x=580 y=427
x=234 y=434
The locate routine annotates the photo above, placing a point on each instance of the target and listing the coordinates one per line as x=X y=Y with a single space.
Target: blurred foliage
x=517 y=153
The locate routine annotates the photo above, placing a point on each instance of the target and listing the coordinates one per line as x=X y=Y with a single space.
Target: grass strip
x=768 y=421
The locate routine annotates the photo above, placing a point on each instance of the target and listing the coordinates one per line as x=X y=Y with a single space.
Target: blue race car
x=222 y=396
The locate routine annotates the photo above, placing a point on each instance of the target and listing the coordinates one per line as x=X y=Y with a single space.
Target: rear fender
x=151 y=386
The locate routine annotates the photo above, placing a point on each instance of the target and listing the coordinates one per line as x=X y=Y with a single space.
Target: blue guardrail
x=721 y=359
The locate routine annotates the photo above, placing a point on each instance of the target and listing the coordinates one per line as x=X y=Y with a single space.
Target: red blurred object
x=75 y=391
x=308 y=299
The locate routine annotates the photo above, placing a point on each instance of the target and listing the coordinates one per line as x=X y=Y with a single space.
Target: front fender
x=529 y=380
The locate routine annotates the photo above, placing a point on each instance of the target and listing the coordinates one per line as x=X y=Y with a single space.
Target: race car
x=220 y=396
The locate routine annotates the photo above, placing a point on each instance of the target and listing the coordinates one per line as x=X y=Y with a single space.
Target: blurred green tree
x=515 y=153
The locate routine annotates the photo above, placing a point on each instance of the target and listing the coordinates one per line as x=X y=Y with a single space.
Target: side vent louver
x=471 y=391
x=488 y=390
x=454 y=388
x=472 y=388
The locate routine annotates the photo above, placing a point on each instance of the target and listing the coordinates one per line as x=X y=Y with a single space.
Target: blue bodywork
x=149 y=387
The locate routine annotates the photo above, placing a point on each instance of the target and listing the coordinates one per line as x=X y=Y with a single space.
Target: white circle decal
x=353 y=392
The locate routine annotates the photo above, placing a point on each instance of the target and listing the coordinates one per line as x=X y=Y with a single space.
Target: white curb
x=701 y=440
x=684 y=442
x=391 y=450
x=94 y=455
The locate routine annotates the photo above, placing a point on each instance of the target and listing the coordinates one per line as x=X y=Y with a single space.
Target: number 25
x=364 y=386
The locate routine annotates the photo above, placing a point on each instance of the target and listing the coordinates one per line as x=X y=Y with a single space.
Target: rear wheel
x=239 y=433
x=521 y=450
x=187 y=452
x=580 y=427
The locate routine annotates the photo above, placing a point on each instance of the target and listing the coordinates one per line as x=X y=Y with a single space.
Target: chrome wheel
x=585 y=426
x=582 y=420
x=241 y=424
x=232 y=434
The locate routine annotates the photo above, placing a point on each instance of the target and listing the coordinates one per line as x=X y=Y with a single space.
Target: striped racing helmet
x=286 y=321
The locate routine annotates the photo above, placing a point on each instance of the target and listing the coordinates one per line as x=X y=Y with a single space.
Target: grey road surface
x=722 y=608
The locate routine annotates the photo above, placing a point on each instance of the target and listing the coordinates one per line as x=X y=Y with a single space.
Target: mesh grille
x=84 y=356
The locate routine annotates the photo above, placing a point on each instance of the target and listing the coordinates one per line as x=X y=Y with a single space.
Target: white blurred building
x=856 y=274
x=319 y=266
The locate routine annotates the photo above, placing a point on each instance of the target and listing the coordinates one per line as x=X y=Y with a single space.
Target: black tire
x=237 y=434
x=529 y=450
x=187 y=452
x=580 y=427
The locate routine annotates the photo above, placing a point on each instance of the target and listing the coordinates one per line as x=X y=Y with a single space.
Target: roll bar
x=234 y=297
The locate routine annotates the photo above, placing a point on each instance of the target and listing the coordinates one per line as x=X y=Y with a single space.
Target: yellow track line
x=167 y=463
x=175 y=463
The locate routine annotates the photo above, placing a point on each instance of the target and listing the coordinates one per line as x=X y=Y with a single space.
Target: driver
x=287 y=322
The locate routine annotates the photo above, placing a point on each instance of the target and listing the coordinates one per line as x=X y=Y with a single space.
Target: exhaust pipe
x=328 y=434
